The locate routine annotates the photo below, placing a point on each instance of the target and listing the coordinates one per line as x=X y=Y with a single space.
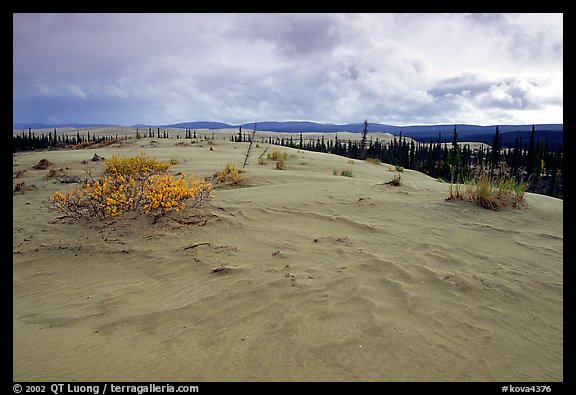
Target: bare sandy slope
x=327 y=278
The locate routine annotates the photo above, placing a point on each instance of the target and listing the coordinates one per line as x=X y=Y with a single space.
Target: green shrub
x=346 y=173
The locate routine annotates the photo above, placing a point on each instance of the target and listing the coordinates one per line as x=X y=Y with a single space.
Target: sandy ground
x=327 y=278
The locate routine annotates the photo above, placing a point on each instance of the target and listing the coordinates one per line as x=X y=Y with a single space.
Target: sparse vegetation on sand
x=278 y=265
x=395 y=180
x=279 y=157
x=538 y=164
x=229 y=175
x=374 y=161
x=343 y=172
x=491 y=193
x=132 y=184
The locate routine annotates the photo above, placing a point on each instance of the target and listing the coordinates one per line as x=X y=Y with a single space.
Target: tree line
x=535 y=163
x=27 y=141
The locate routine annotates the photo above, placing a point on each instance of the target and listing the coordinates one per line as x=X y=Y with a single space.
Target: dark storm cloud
x=294 y=35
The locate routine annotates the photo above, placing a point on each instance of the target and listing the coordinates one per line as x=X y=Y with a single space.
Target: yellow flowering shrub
x=129 y=186
x=164 y=193
x=102 y=198
x=135 y=166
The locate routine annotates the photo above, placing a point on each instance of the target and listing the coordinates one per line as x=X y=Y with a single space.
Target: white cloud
x=396 y=68
x=77 y=92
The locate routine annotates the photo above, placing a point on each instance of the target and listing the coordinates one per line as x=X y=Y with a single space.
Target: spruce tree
x=412 y=160
x=538 y=167
x=531 y=156
x=454 y=160
x=495 y=153
x=363 y=141
x=553 y=191
x=514 y=169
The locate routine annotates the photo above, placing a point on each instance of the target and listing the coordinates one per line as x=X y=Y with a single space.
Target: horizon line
x=91 y=124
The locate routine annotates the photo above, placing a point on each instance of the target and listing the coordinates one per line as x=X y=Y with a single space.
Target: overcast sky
x=399 y=69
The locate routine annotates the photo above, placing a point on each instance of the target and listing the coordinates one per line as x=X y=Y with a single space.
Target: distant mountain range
x=38 y=125
x=553 y=133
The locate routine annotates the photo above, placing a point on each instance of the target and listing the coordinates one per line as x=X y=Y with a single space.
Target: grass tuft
x=490 y=193
x=395 y=180
x=343 y=172
x=229 y=175
x=279 y=157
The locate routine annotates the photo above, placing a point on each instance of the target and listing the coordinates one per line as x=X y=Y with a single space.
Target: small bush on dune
x=134 y=166
x=275 y=155
x=343 y=172
x=280 y=163
x=229 y=175
x=112 y=196
x=279 y=157
x=163 y=193
x=395 y=180
x=490 y=193
x=346 y=173
x=105 y=197
x=129 y=186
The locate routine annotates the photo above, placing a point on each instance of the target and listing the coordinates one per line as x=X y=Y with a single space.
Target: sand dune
x=320 y=278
